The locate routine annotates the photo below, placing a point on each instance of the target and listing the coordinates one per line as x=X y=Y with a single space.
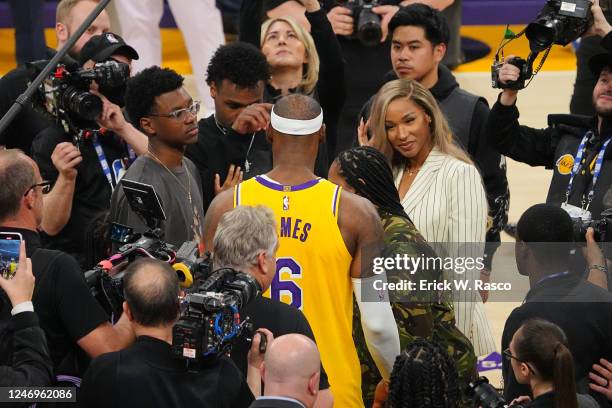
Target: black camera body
x=524 y=75
x=65 y=95
x=366 y=23
x=210 y=320
x=601 y=228
x=559 y=22
x=484 y=395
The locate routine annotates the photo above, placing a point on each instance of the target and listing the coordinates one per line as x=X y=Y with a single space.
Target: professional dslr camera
x=601 y=227
x=485 y=396
x=559 y=22
x=366 y=23
x=211 y=320
x=65 y=94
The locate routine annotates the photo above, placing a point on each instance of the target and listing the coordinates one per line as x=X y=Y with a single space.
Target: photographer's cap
x=599 y=62
x=101 y=47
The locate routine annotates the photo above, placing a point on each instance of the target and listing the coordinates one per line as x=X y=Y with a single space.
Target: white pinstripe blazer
x=447 y=203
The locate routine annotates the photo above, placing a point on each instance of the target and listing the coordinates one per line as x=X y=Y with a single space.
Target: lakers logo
x=565 y=164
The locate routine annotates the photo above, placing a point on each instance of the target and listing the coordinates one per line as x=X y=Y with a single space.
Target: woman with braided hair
x=424 y=376
x=366 y=172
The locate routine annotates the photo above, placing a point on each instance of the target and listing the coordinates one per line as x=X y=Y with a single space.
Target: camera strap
x=102 y=159
x=596 y=171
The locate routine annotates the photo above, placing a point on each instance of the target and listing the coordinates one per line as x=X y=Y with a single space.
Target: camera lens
x=83 y=104
x=369 y=30
x=111 y=73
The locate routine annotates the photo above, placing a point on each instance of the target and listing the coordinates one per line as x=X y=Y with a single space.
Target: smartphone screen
x=10 y=243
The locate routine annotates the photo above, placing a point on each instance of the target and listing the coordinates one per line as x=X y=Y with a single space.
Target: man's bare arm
x=222 y=203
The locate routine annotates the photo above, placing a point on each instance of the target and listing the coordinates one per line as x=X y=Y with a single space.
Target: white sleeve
x=379 y=327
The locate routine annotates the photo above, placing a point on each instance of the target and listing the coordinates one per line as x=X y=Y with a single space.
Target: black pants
x=29 y=35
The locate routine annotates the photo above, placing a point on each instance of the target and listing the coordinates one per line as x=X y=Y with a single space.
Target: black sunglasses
x=45 y=185
x=509 y=356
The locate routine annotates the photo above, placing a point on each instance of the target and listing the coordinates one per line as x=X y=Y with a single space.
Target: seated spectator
x=75 y=325
x=25 y=360
x=232 y=143
x=159 y=105
x=148 y=374
x=424 y=376
x=300 y=61
x=247 y=240
x=581 y=309
x=439 y=187
x=290 y=373
x=540 y=358
x=365 y=172
x=85 y=175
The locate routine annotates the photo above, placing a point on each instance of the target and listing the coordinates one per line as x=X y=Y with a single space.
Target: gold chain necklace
x=188 y=189
x=411 y=171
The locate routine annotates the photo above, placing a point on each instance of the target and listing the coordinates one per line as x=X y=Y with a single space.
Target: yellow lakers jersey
x=312 y=272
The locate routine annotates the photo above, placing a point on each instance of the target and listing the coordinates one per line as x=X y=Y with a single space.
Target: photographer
x=246 y=240
x=85 y=173
x=581 y=309
x=574 y=147
x=23 y=345
x=70 y=15
x=75 y=325
x=148 y=373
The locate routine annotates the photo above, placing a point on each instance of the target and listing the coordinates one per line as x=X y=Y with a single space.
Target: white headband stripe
x=296 y=126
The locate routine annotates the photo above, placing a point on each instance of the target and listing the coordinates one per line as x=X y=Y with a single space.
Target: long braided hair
x=368 y=172
x=424 y=376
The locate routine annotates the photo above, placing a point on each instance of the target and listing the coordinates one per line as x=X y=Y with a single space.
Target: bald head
x=17 y=173
x=151 y=291
x=291 y=359
x=297 y=106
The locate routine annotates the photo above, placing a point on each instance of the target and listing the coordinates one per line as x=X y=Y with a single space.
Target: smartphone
x=10 y=244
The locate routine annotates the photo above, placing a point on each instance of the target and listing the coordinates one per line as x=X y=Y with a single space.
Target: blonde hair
x=64 y=7
x=442 y=136
x=311 y=74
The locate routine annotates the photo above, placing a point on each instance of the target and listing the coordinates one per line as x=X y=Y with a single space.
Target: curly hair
x=145 y=86
x=428 y=18
x=424 y=376
x=240 y=63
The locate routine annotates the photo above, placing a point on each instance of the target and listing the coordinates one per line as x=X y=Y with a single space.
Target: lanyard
x=104 y=163
x=596 y=170
x=553 y=276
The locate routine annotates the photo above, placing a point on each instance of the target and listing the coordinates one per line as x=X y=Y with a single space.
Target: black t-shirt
x=216 y=149
x=63 y=302
x=280 y=319
x=92 y=190
x=148 y=374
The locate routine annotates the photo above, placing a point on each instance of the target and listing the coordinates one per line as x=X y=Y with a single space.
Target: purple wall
x=475 y=12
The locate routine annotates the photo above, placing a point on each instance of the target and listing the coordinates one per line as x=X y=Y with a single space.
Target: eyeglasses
x=45 y=186
x=509 y=357
x=180 y=114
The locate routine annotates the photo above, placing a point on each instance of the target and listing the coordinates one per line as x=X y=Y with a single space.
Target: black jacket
x=24 y=355
x=330 y=90
x=467 y=116
x=217 y=148
x=582 y=310
x=555 y=148
x=148 y=374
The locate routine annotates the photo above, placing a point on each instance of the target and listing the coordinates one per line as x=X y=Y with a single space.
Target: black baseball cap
x=101 y=47
x=599 y=62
